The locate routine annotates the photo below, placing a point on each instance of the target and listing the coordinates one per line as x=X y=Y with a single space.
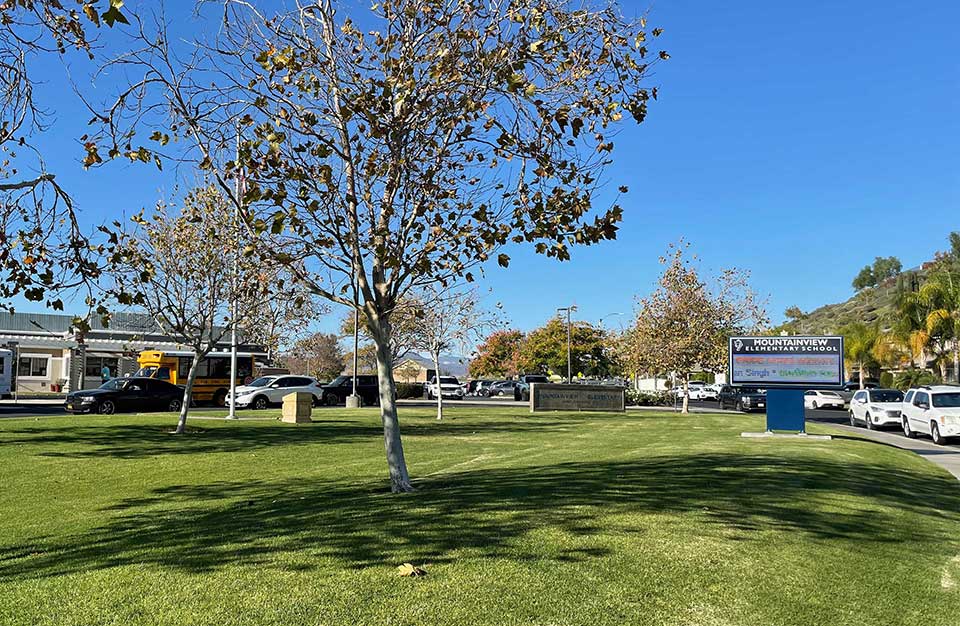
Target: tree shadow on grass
x=130 y=441
x=487 y=512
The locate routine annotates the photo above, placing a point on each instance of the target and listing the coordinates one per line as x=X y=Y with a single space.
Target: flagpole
x=232 y=413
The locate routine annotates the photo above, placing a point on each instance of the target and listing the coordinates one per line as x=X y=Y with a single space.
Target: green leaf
x=113 y=15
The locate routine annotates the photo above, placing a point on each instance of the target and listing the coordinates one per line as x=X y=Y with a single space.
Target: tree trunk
x=187 y=393
x=956 y=362
x=396 y=464
x=861 y=375
x=436 y=366
x=686 y=394
x=942 y=362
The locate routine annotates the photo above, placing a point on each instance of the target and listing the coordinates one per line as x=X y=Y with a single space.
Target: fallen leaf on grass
x=409 y=569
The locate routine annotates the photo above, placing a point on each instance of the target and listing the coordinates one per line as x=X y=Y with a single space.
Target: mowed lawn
x=550 y=519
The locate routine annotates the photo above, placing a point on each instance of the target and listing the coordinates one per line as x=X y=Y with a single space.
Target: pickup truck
x=522 y=391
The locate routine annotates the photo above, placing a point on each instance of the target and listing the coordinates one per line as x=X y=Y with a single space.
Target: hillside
x=874 y=304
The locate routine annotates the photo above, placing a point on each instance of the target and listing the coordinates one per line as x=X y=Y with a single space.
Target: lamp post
x=568 y=310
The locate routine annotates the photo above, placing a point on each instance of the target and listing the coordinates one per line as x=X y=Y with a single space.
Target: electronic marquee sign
x=786 y=361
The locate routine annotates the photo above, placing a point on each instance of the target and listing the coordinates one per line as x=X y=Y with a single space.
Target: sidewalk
x=947 y=457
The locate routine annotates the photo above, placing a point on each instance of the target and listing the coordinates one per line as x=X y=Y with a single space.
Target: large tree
x=545 y=349
x=683 y=326
x=497 y=355
x=408 y=152
x=43 y=248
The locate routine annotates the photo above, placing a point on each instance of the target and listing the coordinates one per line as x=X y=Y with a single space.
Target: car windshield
x=751 y=390
x=887 y=395
x=340 y=381
x=448 y=380
x=946 y=400
x=147 y=372
x=263 y=381
x=536 y=379
x=113 y=384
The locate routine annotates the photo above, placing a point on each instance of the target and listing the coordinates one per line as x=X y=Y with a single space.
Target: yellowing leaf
x=409 y=569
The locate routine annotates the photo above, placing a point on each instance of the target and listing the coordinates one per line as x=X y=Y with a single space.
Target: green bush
x=914 y=377
x=409 y=390
x=886 y=380
x=648 y=398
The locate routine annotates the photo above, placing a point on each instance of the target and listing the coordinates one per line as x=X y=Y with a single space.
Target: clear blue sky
x=795 y=140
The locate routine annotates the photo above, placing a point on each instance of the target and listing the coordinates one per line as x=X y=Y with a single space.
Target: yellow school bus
x=212 y=382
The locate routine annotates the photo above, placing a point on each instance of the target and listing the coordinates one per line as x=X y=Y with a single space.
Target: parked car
x=820 y=399
x=448 y=387
x=703 y=392
x=522 y=390
x=269 y=390
x=499 y=388
x=694 y=386
x=342 y=386
x=744 y=399
x=475 y=387
x=876 y=407
x=846 y=392
x=932 y=410
x=119 y=395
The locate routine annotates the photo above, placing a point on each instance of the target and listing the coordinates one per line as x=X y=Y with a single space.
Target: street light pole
x=568 y=310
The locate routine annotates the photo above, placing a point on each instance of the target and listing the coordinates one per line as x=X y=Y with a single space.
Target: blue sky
x=794 y=140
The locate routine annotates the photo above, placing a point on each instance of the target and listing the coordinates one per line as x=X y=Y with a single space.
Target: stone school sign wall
x=550 y=397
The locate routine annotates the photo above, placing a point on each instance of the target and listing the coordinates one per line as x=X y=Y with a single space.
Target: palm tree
x=941 y=295
x=860 y=343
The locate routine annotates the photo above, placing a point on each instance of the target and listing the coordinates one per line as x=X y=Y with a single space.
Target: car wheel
x=260 y=403
x=739 y=406
x=525 y=396
x=220 y=398
x=330 y=399
x=106 y=407
x=907 y=431
x=813 y=405
x=853 y=420
x=175 y=405
x=935 y=434
x=866 y=418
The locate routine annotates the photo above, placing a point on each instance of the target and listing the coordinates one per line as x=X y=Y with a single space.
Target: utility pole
x=568 y=310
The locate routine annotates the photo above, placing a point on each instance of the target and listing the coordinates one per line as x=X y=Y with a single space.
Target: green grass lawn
x=549 y=519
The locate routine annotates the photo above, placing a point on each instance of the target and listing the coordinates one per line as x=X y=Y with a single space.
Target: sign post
x=786 y=366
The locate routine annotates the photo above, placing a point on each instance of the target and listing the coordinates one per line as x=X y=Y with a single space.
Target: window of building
x=94 y=367
x=33 y=366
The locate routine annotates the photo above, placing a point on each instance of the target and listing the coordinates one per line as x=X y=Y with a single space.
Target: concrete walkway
x=947 y=457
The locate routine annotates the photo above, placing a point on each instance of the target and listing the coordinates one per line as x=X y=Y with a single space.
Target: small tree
x=173 y=267
x=864 y=278
x=497 y=355
x=860 y=343
x=684 y=325
x=448 y=318
x=318 y=355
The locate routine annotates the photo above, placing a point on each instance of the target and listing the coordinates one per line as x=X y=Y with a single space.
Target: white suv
x=449 y=388
x=933 y=410
x=876 y=407
x=268 y=390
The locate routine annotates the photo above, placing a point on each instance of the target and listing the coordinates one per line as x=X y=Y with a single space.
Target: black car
x=130 y=395
x=342 y=386
x=742 y=398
